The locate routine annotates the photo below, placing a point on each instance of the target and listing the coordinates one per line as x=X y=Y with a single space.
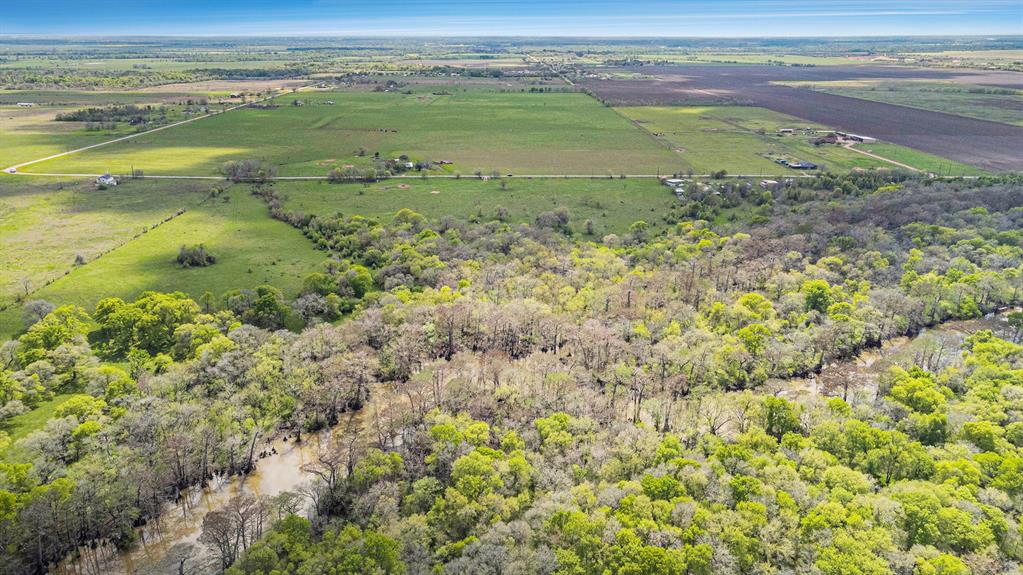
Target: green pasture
x=46 y=223
x=251 y=249
x=921 y=160
x=142 y=64
x=32 y=133
x=548 y=133
x=738 y=139
x=611 y=204
x=21 y=426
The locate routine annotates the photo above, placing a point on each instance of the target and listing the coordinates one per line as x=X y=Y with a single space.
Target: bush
x=195 y=257
x=249 y=171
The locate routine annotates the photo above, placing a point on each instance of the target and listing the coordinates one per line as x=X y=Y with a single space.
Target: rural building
x=768 y=184
x=106 y=180
x=26 y=104
x=855 y=137
x=802 y=165
x=786 y=131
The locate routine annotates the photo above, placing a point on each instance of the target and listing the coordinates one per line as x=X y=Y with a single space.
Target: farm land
x=46 y=224
x=983 y=144
x=500 y=115
x=251 y=248
x=1003 y=105
x=747 y=140
x=28 y=133
x=309 y=133
x=611 y=204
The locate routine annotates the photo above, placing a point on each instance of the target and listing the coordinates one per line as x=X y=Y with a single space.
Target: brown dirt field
x=988 y=145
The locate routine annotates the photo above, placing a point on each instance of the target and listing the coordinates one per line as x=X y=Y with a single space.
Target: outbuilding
x=106 y=180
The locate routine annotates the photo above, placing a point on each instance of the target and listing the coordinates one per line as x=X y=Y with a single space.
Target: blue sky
x=681 y=18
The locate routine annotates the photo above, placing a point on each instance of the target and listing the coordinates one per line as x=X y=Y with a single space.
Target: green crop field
x=745 y=140
x=251 y=249
x=547 y=133
x=611 y=204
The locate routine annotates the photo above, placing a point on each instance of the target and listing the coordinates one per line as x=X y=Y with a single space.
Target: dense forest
x=546 y=401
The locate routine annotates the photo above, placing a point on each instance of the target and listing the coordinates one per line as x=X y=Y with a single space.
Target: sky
x=652 y=18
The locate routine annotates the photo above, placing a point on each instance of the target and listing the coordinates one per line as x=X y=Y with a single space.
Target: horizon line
x=343 y=36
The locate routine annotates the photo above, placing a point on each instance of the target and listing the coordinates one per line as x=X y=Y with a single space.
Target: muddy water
x=857 y=379
x=170 y=544
x=164 y=543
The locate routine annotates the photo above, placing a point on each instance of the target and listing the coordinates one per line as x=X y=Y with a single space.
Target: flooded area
x=174 y=537
x=857 y=379
x=171 y=544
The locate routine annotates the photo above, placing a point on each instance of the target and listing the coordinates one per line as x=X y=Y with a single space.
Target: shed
x=106 y=180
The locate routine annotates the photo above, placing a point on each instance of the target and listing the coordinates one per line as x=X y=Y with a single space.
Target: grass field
x=83 y=98
x=142 y=64
x=20 y=426
x=611 y=204
x=31 y=133
x=46 y=223
x=250 y=247
x=512 y=132
x=739 y=139
x=920 y=160
x=745 y=140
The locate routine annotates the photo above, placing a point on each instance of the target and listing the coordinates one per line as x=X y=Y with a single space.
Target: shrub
x=195 y=257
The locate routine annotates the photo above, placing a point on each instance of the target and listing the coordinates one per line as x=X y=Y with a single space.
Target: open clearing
x=611 y=204
x=251 y=249
x=743 y=139
x=987 y=145
x=548 y=133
